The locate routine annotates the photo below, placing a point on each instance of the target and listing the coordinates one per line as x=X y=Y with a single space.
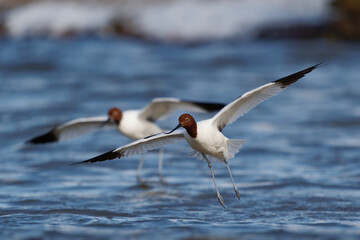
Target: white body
x=134 y=127
x=208 y=141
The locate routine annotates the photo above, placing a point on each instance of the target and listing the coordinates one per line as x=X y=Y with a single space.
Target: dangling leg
x=236 y=191
x=219 y=197
x=161 y=153
x=138 y=174
x=139 y=169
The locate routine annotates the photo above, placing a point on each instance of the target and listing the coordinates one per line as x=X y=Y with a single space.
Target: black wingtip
x=45 y=138
x=288 y=80
x=209 y=106
x=103 y=157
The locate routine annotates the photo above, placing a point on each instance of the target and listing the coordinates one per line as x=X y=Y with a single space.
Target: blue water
x=298 y=175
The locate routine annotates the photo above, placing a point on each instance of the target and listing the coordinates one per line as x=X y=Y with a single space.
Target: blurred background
x=298 y=175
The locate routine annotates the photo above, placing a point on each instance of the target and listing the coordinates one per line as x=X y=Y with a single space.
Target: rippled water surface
x=298 y=175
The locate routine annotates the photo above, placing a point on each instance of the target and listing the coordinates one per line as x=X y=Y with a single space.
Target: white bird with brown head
x=205 y=137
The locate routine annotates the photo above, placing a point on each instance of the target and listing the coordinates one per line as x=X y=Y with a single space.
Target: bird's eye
x=186 y=119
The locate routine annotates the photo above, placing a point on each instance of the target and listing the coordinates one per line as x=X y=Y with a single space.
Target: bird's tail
x=234 y=146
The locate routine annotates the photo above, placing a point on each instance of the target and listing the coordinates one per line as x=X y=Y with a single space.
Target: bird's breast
x=209 y=141
x=135 y=128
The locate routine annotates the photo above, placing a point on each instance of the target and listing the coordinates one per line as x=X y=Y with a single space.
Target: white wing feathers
x=71 y=129
x=80 y=126
x=139 y=146
x=244 y=103
x=150 y=143
x=251 y=99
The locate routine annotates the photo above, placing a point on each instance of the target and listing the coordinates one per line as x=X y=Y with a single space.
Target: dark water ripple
x=298 y=175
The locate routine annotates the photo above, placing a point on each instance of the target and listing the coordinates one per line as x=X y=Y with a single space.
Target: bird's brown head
x=115 y=115
x=188 y=122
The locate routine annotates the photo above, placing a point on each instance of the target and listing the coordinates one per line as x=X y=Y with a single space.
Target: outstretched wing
x=139 y=146
x=251 y=99
x=71 y=129
x=160 y=108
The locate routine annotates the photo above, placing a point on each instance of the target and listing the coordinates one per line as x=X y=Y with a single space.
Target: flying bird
x=205 y=137
x=134 y=124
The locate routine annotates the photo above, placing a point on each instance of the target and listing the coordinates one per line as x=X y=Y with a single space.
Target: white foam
x=213 y=19
x=179 y=20
x=57 y=18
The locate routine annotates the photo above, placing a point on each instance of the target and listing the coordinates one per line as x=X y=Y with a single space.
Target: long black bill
x=178 y=126
x=106 y=122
